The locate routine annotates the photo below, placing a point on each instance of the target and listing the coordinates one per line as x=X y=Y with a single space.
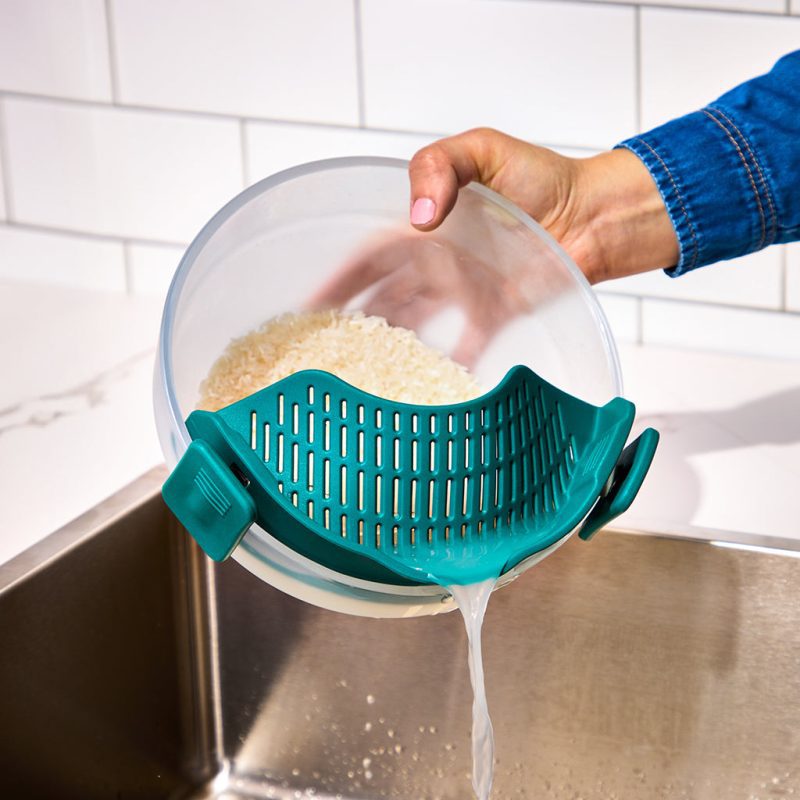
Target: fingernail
x=423 y=211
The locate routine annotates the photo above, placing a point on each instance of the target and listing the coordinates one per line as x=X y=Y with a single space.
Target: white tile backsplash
x=273 y=147
x=286 y=59
x=55 y=47
x=793 y=276
x=63 y=259
x=728 y=330
x=689 y=58
x=753 y=280
x=445 y=66
x=125 y=173
x=151 y=267
x=148 y=115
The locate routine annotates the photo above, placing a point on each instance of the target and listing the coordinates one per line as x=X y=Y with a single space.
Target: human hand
x=605 y=211
x=409 y=278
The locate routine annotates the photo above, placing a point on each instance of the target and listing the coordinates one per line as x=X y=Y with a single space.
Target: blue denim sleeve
x=730 y=173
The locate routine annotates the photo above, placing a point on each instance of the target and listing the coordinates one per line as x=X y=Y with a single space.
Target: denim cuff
x=713 y=185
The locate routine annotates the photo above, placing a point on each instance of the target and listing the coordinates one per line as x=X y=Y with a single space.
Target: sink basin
x=640 y=667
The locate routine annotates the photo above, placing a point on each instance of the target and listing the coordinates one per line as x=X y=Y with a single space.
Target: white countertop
x=76 y=422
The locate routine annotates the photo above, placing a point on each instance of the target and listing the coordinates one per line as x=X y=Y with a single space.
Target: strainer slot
x=280 y=453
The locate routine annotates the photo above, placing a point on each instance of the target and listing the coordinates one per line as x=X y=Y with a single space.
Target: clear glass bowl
x=490 y=277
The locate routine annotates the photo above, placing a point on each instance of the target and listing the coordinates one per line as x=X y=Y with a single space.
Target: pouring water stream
x=472 y=600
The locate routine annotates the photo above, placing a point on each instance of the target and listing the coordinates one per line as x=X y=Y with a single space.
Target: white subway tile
x=55 y=47
x=622 y=314
x=61 y=259
x=547 y=71
x=287 y=59
x=689 y=58
x=761 y=6
x=793 y=276
x=729 y=330
x=753 y=280
x=126 y=173
x=3 y=212
x=151 y=267
x=272 y=147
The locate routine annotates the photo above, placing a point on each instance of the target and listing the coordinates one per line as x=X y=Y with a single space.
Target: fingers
x=365 y=269
x=474 y=340
x=439 y=170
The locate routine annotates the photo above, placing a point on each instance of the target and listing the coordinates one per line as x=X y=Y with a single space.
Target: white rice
x=364 y=351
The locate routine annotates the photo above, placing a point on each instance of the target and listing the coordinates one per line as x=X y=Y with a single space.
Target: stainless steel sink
x=633 y=667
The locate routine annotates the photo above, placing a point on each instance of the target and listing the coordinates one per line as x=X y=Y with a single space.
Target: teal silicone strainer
x=408 y=494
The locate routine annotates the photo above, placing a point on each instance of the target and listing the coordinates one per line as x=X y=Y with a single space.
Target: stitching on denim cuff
x=761 y=215
x=681 y=203
x=773 y=228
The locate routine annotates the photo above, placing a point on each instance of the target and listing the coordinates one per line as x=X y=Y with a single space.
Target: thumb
x=439 y=170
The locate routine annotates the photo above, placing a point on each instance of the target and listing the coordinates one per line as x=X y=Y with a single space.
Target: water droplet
x=368 y=775
x=366 y=762
x=390 y=733
x=432 y=729
x=370 y=699
x=398 y=748
x=343 y=683
x=367 y=726
x=295 y=772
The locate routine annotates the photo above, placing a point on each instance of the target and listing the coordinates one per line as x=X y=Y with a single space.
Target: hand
x=409 y=278
x=605 y=211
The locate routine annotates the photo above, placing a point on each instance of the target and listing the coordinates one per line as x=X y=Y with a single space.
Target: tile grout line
x=748 y=12
x=113 y=68
x=219 y=116
x=359 y=37
x=128 y=267
x=637 y=67
x=5 y=165
x=693 y=302
x=108 y=238
x=128 y=241
x=245 y=153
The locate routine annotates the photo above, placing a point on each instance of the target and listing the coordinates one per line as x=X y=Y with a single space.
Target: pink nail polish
x=423 y=211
